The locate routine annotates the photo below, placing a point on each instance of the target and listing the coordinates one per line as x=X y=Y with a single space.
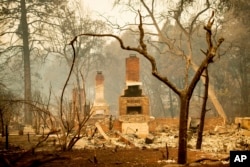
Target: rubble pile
x=220 y=140
x=223 y=139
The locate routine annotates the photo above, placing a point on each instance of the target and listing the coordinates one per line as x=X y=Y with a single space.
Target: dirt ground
x=101 y=157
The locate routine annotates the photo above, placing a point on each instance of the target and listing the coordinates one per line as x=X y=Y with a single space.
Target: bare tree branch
x=196 y=17
x=209 y=31
x=66 y=82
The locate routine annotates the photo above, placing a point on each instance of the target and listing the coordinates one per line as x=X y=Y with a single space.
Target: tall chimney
x=132 y=68
x=100 y=106
x=99 y=92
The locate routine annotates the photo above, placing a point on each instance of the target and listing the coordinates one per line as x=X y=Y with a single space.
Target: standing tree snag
x=184 y=94
x=203 y=111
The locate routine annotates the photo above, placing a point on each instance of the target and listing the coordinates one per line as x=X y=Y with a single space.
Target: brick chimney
x=132 y=68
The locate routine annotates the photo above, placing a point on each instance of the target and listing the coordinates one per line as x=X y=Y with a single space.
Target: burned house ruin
x=79 y=102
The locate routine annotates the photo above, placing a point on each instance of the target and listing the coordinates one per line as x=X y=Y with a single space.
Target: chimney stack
x=99 y=78
x=99 y=97
x=100 y=106
x=132 y=69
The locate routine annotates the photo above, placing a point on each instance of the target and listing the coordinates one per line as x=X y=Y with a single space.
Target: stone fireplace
x=100 y=107
x=133 y=105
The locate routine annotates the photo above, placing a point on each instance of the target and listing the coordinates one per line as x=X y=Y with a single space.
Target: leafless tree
x=71 y=126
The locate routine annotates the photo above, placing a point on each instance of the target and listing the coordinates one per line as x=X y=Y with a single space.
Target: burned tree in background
x=24 y=22
x=235 y=24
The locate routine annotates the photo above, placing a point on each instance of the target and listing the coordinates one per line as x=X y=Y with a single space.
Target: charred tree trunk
x=26 y=60
x=184 y=111
x=212 y=96
x=203 y=111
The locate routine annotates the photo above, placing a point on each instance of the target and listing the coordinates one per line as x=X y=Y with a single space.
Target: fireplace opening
x=134 y=110
x=133 y=91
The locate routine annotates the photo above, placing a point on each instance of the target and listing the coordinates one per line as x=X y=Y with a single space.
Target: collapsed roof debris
x=221 y=139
